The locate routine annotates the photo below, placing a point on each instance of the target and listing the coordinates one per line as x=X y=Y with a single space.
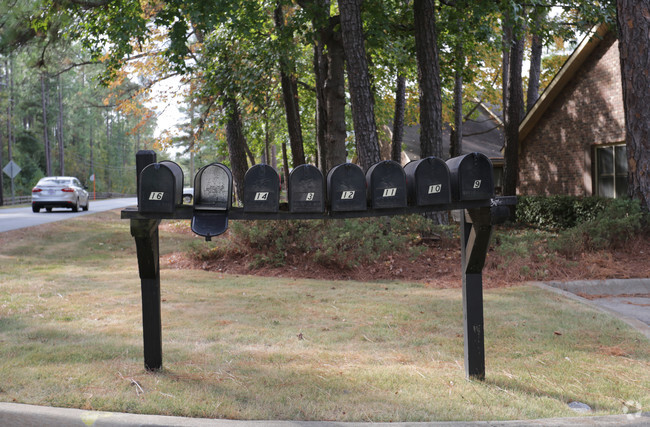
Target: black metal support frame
x=476 y=229
x=145 y=232
x=477 y=219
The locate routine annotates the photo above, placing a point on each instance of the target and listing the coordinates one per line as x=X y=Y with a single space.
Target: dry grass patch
x=247 y=347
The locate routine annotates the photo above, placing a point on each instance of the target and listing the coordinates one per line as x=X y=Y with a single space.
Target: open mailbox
x=386 y=185
x=261 y=189
x=471 y=177
x=212 y=200
x=427 y=181
x=160 y=188
x=306 y=189
x=346 y=188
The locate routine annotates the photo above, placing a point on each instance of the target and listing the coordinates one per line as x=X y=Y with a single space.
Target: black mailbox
x=261 y=189
x=471 y=177
x=212 y=200
x=427 y=181
x=346 y=188
x=306 y=189
x=161 y=187
x=386 y=185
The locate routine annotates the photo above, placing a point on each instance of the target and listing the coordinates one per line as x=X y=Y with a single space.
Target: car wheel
x=48 y=209
x=75 y=207
x=187 y=199
x=36 y=209
x=86 y=206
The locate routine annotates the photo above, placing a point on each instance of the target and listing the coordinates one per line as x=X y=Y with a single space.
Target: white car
x=59 y=192
x=188 y=195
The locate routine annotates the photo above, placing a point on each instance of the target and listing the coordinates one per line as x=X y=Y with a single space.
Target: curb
x=605 y=287
x=20 y=415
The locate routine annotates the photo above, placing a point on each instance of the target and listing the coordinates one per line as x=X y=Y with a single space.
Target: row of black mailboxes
x=430 y=181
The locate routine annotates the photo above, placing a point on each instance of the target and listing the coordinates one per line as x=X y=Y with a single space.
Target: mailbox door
x=387 y=185
x=209 y=223
x=212 y=200
x=213 y=187
x=471 y=177
x=428 y=182
x=158 y=189
x=306 y=189
x=346 y=188
x=261 y=189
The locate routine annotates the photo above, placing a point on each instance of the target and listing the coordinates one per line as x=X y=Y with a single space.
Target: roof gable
x=562 y=78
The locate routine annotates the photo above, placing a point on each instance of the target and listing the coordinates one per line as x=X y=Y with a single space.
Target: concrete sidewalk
x=18 y=415
x=626 y=299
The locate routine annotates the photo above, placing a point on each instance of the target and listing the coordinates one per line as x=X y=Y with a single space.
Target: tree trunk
x=109 y=151
x=398 y=119
x=320 y=20
x=320 y=72
x=505 y=63
x=91 y=132
x=456 y=134
x=535 y=63
x=363 y=115
x=634 y=49
x=2 y=163
x=334 y=91
x=514 y=113
x=428 y=78
x=285 y=167
x=59 y=134
x=46 y=139
x=290 y=97
x=236 y=146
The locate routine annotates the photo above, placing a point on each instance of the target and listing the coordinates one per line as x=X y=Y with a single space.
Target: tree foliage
x=270 y=67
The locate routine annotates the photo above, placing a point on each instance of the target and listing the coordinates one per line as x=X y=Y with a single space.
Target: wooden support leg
x=145 y=232
x=475 y=238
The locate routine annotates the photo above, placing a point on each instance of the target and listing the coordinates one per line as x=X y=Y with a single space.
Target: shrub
x=614 y=226
x=341 y=243
x=558 y=212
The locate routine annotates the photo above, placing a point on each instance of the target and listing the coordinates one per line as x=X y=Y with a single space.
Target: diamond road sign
x=12 y=169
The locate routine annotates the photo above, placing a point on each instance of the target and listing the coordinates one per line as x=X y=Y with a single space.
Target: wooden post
x=476 y=230
x=145 y=232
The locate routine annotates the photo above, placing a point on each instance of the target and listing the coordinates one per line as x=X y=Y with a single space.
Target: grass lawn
x=246 y=347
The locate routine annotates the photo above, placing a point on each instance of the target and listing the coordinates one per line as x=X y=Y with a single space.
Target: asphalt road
x=15 y=218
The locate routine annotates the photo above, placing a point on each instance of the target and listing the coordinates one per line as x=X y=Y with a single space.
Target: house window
x=611 y=171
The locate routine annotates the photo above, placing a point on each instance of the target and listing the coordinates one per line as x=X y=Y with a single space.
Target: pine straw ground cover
x=250 y=347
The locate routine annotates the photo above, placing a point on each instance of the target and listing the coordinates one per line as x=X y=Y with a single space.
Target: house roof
x=483 y=135
x=566 y=73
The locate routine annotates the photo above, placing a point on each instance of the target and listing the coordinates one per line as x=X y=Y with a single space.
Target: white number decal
x=434 y=189
x=262 y=195
x=347 y=195
x=156 y=195
x=477 y=183
x=310 y=197
x=389 y=192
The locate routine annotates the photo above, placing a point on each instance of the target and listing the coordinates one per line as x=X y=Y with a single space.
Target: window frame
x=614 y=175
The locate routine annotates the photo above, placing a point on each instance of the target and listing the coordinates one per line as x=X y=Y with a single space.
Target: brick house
x=573 y=140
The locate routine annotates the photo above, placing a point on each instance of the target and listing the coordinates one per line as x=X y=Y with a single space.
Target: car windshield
x=55 y=181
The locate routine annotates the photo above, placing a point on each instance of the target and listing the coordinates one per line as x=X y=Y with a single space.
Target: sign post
x=12 y=169
x=92 y=178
